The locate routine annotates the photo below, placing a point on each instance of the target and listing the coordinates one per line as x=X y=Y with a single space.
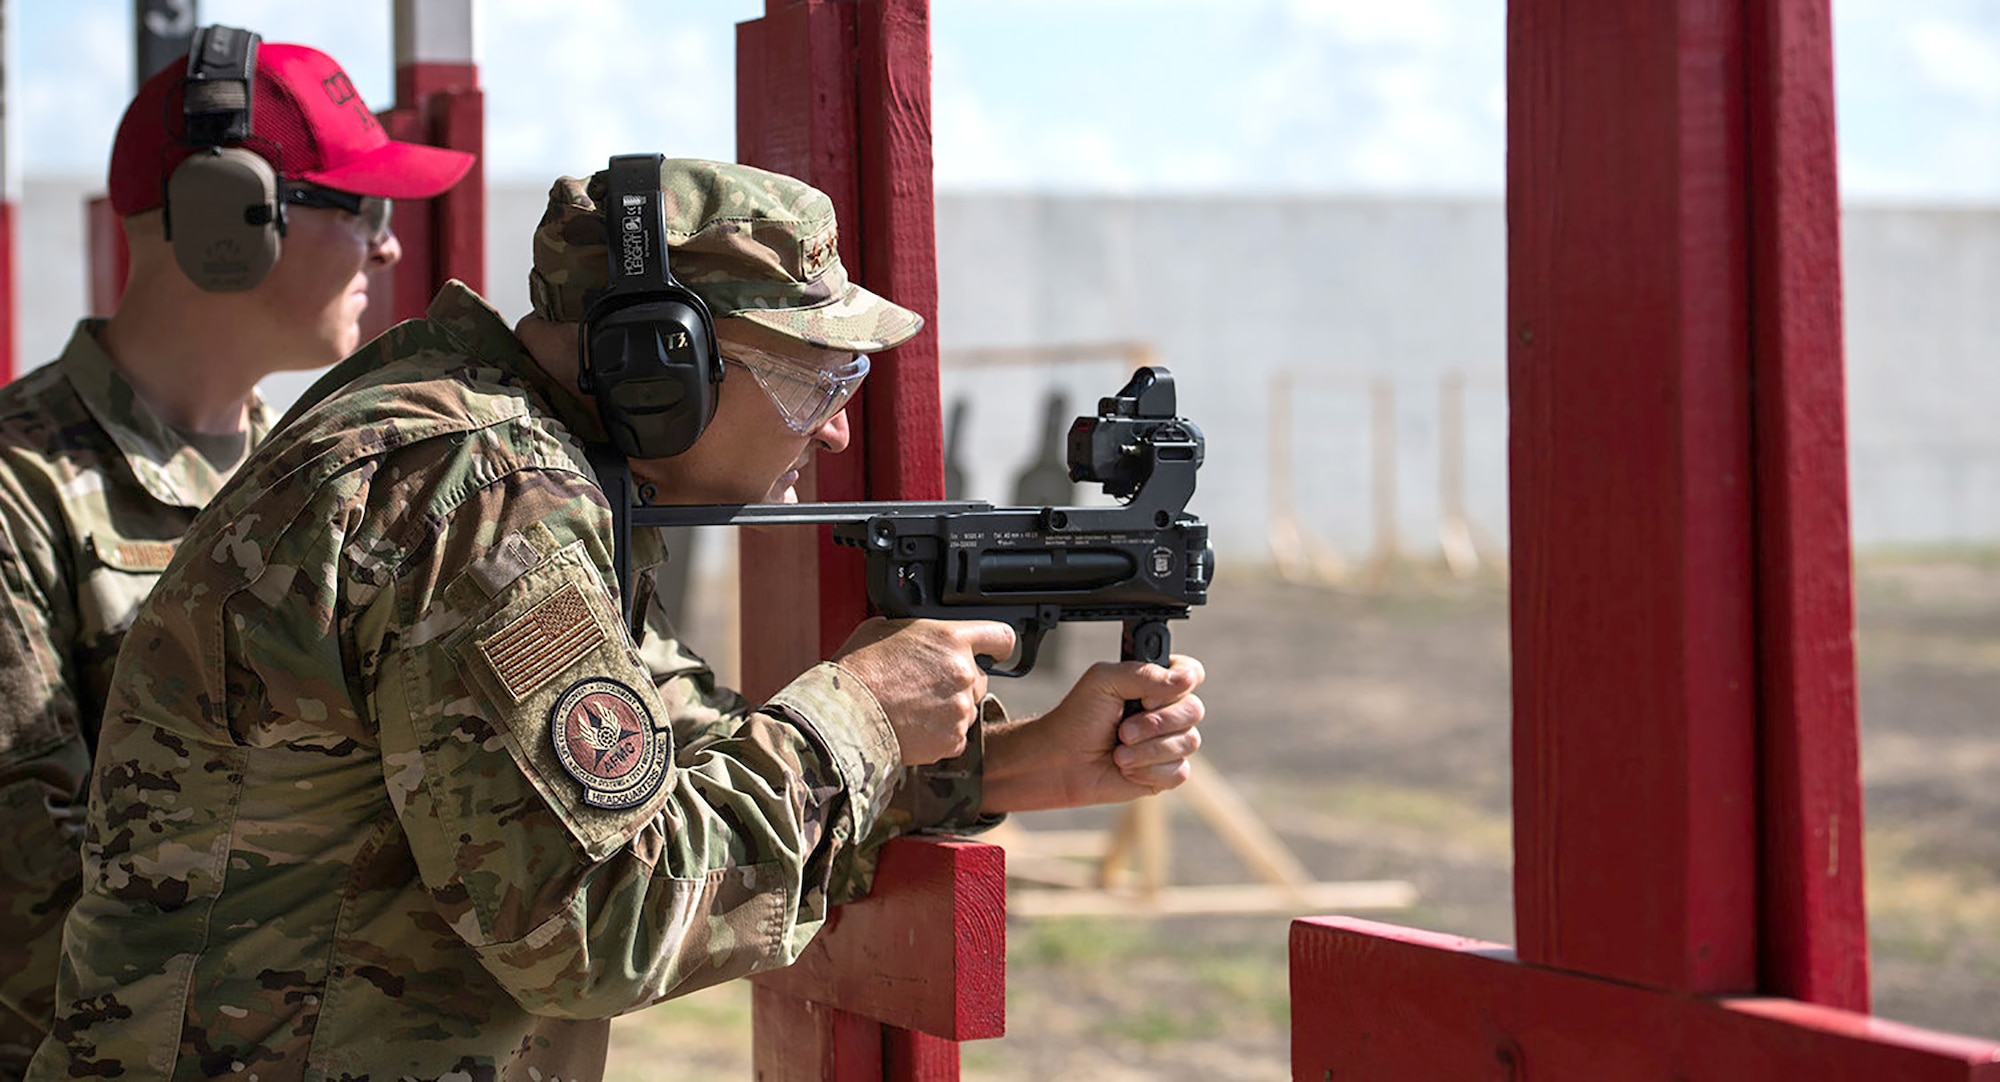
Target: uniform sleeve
x=941 y=797
x=592 y=864
x=936 y=798
x=43 y=761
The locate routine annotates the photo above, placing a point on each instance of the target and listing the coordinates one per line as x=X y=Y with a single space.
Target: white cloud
x=1411 y=101
x=66 y=126
x=356 y=33
x=1918 y=93
x=1376 y=22
x=972 y=144
x=569 y=85
x=1957 y=59
x=1130 y=95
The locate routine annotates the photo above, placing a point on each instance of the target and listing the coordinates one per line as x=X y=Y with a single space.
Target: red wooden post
x=438 y=101
x=1633 y=625
x=1813 y=931
x=837 y=92
x=1687 y=795
x=10 y=190
x=10 y=331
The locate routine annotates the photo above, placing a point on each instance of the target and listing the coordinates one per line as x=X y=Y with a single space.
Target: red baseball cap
x=306 y=118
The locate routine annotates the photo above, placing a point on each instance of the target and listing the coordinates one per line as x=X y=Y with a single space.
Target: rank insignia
x=605 y=737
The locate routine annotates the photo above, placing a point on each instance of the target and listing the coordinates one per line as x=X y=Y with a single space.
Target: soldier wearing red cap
x=107 y=453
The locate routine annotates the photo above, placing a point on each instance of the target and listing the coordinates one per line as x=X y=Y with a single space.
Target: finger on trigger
x=993 y=638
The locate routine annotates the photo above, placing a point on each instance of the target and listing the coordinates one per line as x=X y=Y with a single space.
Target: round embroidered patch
x=605 y=738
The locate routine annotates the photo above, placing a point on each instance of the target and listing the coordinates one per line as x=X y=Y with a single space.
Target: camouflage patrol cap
x=753 y=244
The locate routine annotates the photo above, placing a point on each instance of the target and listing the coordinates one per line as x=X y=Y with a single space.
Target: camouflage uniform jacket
x=95 y=492
x=387 y=790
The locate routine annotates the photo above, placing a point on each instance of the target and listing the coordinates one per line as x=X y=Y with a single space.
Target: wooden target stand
x=1125 y=871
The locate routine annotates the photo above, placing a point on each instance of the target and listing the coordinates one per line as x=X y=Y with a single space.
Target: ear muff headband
x=222 y=211
x=648 y=342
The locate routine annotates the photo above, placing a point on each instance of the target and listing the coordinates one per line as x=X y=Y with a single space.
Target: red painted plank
x=1634 y=661
x=10 y=332
x=899 y=242
x=908 y=1056
x=1813 y=930
x=404 y=291
x=780 y=570
x=795 y=115
x=927 y=951
x=417 y=80
x=461 y=212
x=798 y=1040
x=438 y=103
x=1375 y=1002
x=838 y=94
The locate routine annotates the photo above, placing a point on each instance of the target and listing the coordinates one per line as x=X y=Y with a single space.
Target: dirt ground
x=1370 y=730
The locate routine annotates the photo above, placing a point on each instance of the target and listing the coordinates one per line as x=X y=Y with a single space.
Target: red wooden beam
x=799 y=1040
x=926 y=951
x=403 y=290
x=1687 y=792
x=438 y=101
x=838 y=94
x=1391 y=1003
x=795 y=115
x=1813 y=932
x=10 y=331
x=1635 y=674
x=898 y=219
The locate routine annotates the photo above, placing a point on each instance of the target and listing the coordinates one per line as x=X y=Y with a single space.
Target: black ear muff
x=648 y=344
x=225 y=204
x=224 y=211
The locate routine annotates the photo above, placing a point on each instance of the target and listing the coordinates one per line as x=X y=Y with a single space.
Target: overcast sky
x=1379 y=96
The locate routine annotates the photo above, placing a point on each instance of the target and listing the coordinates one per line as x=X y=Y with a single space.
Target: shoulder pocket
x=559 y=676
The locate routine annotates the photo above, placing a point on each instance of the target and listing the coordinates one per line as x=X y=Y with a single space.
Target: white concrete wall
x=1230 y=293
x=1923 y=342
x=1341 y=291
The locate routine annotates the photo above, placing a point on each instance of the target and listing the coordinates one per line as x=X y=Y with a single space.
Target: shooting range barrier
x=1687 y=799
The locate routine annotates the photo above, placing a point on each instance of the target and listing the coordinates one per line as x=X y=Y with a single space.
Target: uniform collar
x=166 y=465
x=481 y=333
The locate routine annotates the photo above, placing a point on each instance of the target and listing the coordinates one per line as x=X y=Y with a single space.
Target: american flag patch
x=543 y=641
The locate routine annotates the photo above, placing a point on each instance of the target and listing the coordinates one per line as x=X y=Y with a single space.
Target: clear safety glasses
x=371 y=209
x=806 y=397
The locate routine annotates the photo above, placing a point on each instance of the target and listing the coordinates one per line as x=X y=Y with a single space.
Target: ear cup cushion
x=653 y=367
x=222 y=208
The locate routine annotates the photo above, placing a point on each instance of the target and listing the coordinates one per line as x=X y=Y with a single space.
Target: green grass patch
x=1926 y=913
x=1077 y=943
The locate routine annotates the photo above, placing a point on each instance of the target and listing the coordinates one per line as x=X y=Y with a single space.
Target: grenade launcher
x=1143 y=561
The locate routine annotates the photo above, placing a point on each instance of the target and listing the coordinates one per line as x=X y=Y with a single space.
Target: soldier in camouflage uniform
x=107 y=453
x=387 y=788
